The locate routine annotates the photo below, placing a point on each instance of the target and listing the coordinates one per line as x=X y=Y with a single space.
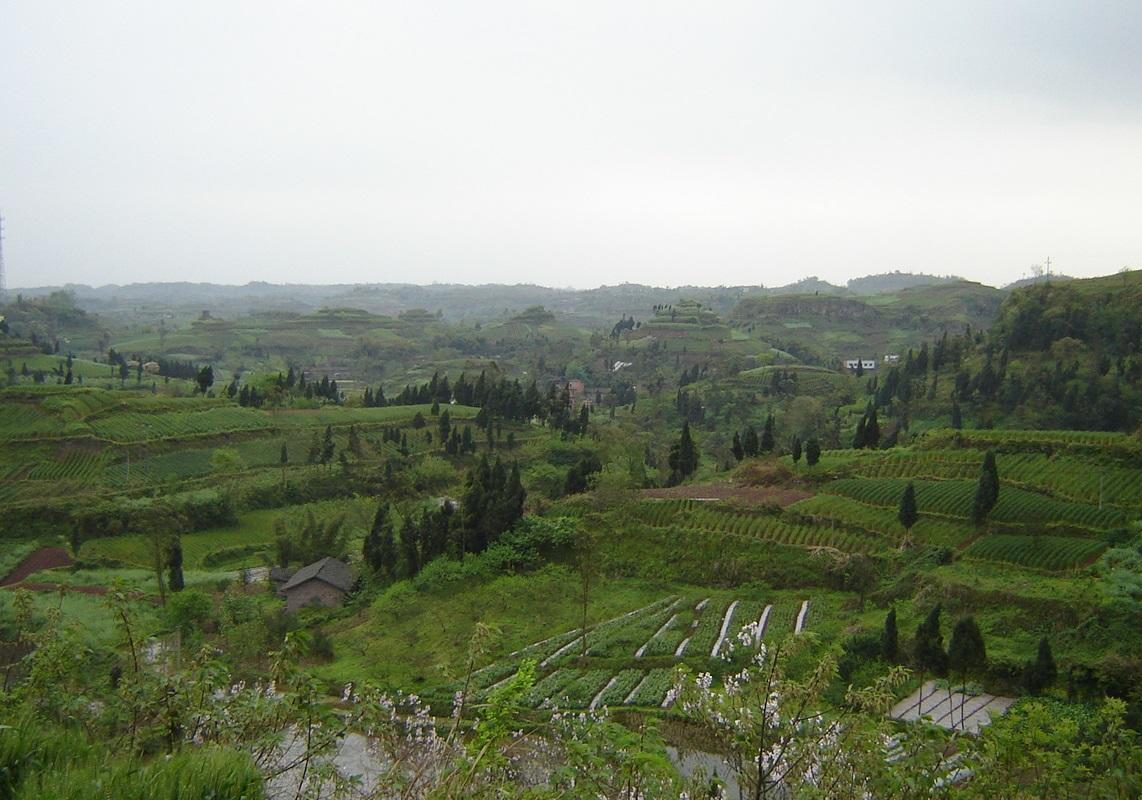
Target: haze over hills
x=460 y=301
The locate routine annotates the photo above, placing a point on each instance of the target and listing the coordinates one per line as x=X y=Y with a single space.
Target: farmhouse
x=860 y=363
x=322 y=583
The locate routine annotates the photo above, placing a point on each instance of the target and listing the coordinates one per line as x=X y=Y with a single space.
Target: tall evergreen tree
x=174 y=565
x=767 y=441
x=987 y=490
x=908 y=515
x=889 y=638
x=860 y=437
x=283 y=460
x=408 y=546
x=957 y=417
x=750 y=442
x=812 y=452
x=872 y=430
x=795 y=449
x=736 y=448
x=1042 y=672
x=928 y=648
x=966 y=653
x=327 y=447
x=683 y=459
x=379 y=549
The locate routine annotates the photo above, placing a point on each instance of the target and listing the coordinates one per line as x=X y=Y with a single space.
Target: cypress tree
x=380 y=550
x=872 y=430
x=966 y=653
x=1040 y=673
x=327 y=445
x=889 y=638
x=795 y=449
x=750 y=443
x=928 y=648
x=736 y=448
x=860 y=437
x=908 y=515
x=812 y=452
x=408 y=542
x=987 y=490
x=683 y=458
x=767 y=441
x=957 y=418
x=174 y=566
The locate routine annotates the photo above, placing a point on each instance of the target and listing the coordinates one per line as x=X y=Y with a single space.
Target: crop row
x=21 y=420
x=637 y=619
x=623 y=638
x=955 y=498
x=617 y=688
x=652 y=689
x=76 y=465
x=825 y=508
x=571 y=688
x=1040 y=552
x=667 y=641
x=1102 y=444
x=714 y=519
x=131 y=426
x=709 y=624
x=547 y=686
x=1073 y=478
x=581 y=690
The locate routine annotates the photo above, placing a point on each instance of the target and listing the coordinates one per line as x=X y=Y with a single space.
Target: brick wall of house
x=313 y=592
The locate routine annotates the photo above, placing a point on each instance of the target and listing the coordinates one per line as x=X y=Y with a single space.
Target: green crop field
x=254 y=529
x=1069 y=477
x=827 y=509
x=954 y=498
x=1040 y=552
x=714 y=518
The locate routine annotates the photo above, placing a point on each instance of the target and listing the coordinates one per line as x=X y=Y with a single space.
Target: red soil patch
x=44 y=558
x=49 y=558
x=749 y=495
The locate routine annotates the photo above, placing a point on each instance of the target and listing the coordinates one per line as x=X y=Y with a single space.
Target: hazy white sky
x=567 y=144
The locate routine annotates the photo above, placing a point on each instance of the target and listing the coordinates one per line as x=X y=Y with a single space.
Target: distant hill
x=1034 y=279
x=824 y=328
x=895 y=281
x=810 y=285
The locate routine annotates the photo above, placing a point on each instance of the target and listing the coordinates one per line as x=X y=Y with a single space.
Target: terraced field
x=1039 y=552
x=953 y=498
x=830 y=509
x=629 y=658
x=712 y=518
x=1067 y=477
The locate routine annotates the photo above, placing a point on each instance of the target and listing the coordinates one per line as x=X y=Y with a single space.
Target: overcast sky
x=567 y=144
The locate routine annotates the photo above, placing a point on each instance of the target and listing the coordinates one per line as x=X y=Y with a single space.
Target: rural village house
x=322 y=583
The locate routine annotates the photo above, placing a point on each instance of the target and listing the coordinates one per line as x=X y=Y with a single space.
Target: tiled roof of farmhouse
x=335 y=573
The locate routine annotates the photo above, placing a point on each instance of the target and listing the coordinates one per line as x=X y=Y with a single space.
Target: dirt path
x=44 y=558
